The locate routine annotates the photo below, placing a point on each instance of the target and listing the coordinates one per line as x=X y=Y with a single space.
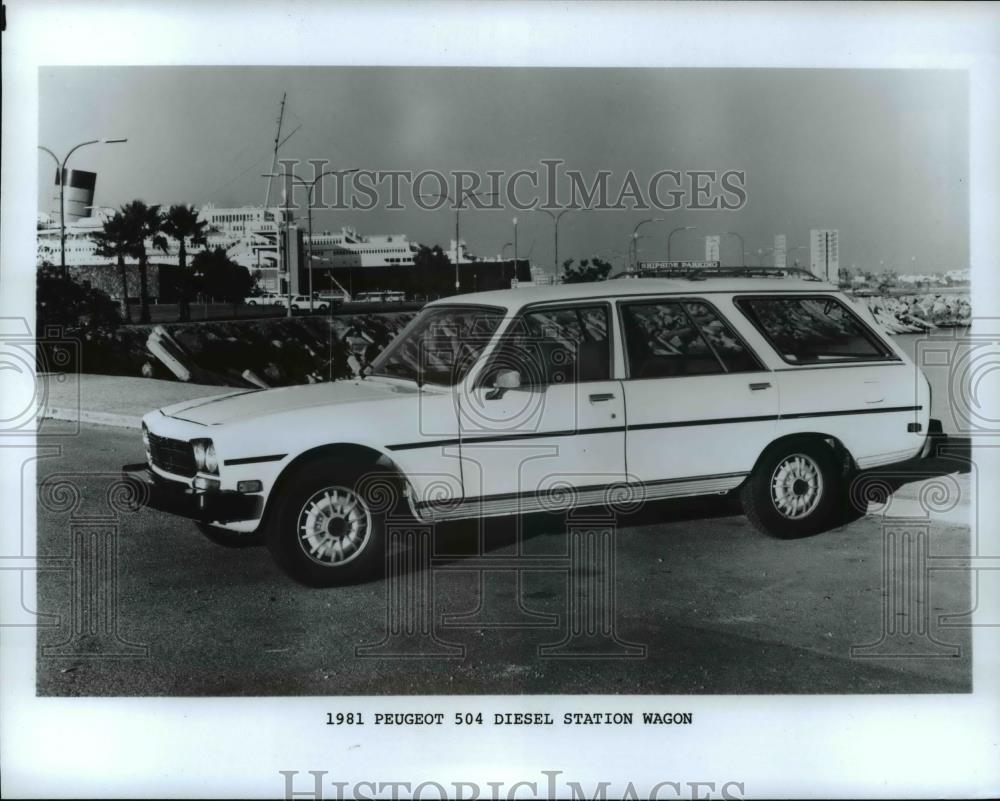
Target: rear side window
x=813 y=330
x=665 y=338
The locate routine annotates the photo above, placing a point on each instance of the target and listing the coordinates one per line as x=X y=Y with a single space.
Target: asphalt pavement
x=702 y=603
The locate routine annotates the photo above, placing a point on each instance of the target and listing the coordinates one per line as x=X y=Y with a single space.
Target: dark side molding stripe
x=256 y=459
x=646 y=426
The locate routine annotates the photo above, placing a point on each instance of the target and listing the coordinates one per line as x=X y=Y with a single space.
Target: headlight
x=145 y=444
x=204 y=456
x=211 y=462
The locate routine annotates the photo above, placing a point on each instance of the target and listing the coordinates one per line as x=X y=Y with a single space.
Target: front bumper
x=217 y=506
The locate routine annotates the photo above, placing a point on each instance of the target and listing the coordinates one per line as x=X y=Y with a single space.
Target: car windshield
x=440 y=344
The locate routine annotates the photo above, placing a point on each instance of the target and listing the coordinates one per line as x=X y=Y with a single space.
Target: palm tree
x=181 y=223
x=113 y=242
x=143 y=222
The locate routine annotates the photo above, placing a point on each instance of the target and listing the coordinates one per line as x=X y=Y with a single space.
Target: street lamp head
x=114 y=141
x=515 y=221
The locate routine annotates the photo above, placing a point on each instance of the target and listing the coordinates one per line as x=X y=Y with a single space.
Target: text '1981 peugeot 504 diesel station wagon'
x=539 y=398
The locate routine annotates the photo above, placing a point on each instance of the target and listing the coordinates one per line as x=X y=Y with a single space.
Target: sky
x=880 y=155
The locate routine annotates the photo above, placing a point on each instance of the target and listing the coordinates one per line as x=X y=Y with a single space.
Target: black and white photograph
x=461 y=414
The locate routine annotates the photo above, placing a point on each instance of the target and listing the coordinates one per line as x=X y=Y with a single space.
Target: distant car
x=265 y=299
x=333 y=298
x=380 y=297
x=301 y=303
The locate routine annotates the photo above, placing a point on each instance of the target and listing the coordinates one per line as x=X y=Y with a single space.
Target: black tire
x=804 y=499
x=251 y=303
x=230 y=539
x=345 y=555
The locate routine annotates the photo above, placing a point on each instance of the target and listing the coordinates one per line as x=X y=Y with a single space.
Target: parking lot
x=702 y=602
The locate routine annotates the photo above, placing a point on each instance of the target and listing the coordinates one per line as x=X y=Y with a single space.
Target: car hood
x=243 y=405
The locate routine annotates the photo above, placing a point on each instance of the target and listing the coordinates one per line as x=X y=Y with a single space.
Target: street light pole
x=671 y=234
x=633 y=251
x=458 y=251
x=288 y=247
x=743 y=246
x=515 y=248
x=555 y=219
x=458 y=240
x=61 y=174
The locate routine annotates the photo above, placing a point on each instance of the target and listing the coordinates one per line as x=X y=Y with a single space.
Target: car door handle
x=760 y=385
x=598 y=397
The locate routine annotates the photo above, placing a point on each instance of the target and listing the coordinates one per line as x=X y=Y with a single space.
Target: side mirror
x=505 y=379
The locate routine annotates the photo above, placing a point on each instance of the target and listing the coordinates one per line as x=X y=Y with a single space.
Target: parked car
x=301 y=303
x=263 y=299
x=380 y=297
x=333 y=298
x=776 y=389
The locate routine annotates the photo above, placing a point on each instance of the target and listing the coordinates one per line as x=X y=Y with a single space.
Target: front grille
x=172 y=455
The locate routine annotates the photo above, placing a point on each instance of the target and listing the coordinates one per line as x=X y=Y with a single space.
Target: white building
x=824 y=254
x=712 y=246
x=249 y=234
x=348 y=248
x=81 y=249
x=780 y=251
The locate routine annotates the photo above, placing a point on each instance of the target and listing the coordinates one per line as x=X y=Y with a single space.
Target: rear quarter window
x=813 y=329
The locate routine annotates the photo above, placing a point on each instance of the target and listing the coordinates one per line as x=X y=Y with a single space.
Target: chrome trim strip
x=565 y=498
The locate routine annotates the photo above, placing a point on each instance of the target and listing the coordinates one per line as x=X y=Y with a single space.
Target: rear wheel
x=794 y=490
x=328 y=526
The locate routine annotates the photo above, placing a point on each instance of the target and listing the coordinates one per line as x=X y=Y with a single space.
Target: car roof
x=627 y=287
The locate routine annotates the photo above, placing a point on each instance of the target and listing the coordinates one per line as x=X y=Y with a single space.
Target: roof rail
x=701 y=273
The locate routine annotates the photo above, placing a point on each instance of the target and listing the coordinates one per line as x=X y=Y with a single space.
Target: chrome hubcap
x=796 y=486
x=334 y=526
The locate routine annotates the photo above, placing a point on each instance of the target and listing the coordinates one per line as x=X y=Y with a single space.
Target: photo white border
x=829 y=746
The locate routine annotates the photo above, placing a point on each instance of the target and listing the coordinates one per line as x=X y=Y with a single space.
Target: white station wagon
x=507 y=402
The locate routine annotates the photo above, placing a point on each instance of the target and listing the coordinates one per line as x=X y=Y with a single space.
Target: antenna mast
x=277 y=142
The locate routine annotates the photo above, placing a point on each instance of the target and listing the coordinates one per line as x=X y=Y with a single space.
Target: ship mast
x=274 y=158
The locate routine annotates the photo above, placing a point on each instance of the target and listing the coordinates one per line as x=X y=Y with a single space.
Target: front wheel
x=329 y=525
x=251 y=303
x=793 y=491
